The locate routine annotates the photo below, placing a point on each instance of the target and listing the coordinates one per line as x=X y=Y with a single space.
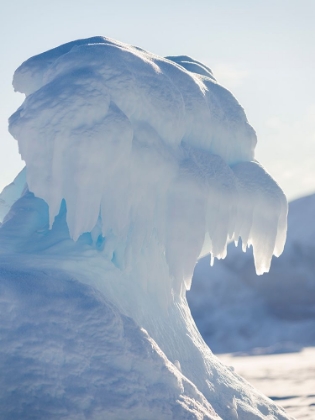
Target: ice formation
x=136 y=165
x=139 y=146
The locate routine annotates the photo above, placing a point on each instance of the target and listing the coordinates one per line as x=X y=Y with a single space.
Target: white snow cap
x=143 y=150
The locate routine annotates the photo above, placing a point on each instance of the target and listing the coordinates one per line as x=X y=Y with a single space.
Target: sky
x=262 y=51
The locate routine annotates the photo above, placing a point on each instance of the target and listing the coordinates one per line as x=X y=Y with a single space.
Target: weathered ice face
x=150 y=153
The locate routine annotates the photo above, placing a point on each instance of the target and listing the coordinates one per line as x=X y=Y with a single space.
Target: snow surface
x=67 y=353
x=135 y=167
x=288 y=379
x=237 y=311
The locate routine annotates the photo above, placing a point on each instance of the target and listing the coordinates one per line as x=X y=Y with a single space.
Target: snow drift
x=237 y=311
x=136 y=165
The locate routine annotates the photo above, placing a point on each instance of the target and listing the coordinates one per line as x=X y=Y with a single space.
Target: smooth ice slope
x=237 y=311
x=136 y=165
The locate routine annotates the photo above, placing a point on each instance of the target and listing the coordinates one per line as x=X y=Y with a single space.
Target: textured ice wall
x=11 y=193
x=147 y=152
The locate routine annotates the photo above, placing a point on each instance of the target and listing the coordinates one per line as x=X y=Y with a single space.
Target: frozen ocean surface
x=136 y=165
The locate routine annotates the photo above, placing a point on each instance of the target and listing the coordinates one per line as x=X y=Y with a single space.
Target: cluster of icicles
x=147 y=152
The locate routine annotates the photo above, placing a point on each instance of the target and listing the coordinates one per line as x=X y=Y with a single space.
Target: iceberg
x=136 y=166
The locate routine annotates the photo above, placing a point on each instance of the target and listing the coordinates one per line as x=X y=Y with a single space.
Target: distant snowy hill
x=236 y=310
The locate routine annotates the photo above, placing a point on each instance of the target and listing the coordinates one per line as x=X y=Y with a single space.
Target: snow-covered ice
x=67 y=353
x=136 y=165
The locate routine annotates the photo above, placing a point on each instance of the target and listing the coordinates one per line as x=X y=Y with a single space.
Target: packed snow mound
x=66 y=353
x=141 y=146
x=237 y=311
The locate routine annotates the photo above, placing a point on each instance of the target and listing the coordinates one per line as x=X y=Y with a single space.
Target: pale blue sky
x=263 y=51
